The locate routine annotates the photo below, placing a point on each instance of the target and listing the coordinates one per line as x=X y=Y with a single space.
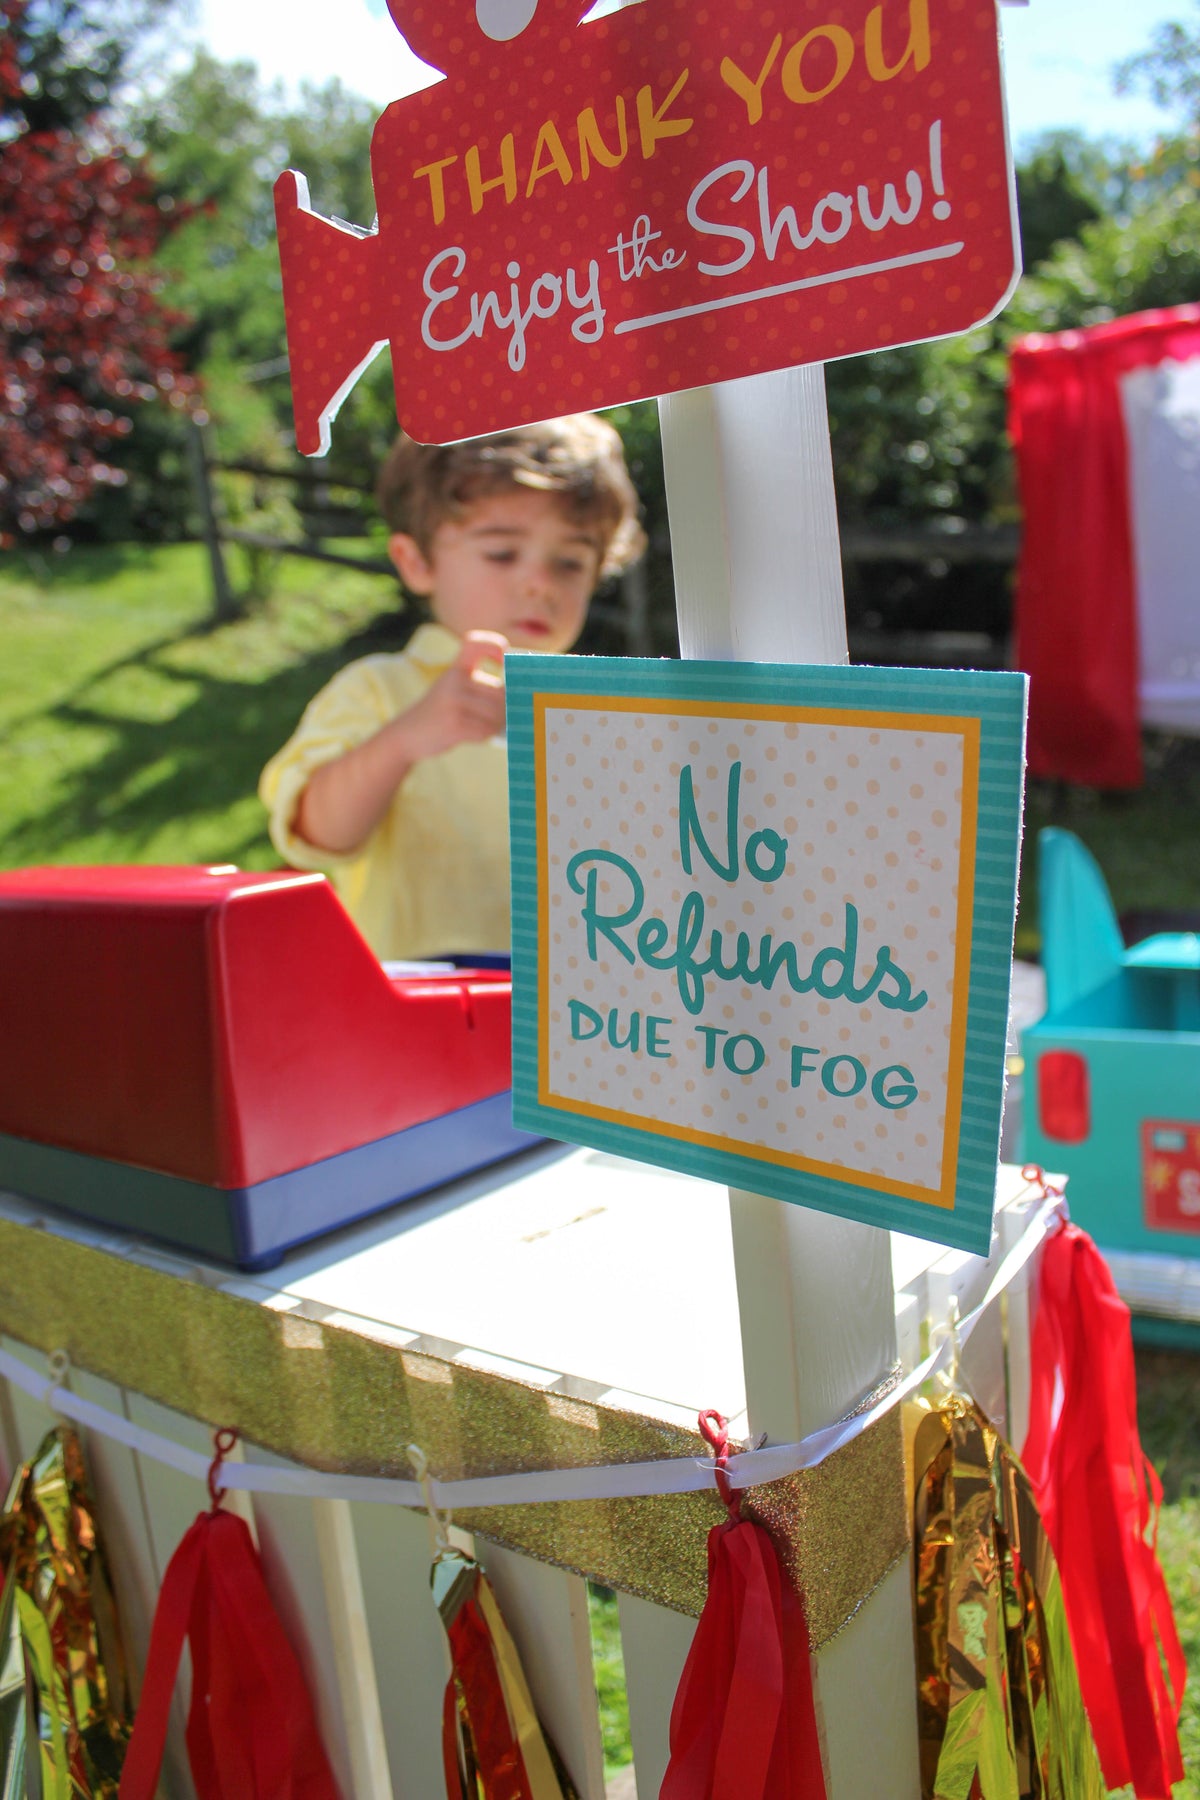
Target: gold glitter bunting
x=337 y=1400
x=1000 y=1715
x=63 y=1693
x=839 y=1528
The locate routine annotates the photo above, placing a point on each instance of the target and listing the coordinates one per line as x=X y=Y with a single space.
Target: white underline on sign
x=791 y=287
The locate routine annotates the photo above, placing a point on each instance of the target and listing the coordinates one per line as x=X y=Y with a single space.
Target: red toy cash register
x=217 y=1059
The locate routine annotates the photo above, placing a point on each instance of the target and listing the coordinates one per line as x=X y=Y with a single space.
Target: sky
x=1059 y=54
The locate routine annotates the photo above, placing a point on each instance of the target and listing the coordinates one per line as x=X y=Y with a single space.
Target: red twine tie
x=224 y=1440
x=714 y=1429
x=1099 y=1496
x=1035 y=1172
x=744 y=1722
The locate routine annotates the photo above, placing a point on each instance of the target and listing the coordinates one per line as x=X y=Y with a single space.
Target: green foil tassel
x=999 y=1709
x=65 y=1716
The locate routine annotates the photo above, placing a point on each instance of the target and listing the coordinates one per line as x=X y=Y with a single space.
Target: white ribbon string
x=616 y=1481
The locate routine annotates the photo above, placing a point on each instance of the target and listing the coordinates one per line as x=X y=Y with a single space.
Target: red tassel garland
x=251 y=1734
x=744 y=1722
x=1099 y=1497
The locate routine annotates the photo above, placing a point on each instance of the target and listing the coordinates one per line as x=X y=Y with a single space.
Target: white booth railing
x=571 y=1275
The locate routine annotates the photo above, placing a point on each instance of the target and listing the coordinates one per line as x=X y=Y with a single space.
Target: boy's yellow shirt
x=433 y=876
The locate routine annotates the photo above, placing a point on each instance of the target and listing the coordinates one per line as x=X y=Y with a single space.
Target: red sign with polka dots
x=582 y=214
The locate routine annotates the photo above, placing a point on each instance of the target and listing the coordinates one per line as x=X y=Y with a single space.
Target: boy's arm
x=346 y=797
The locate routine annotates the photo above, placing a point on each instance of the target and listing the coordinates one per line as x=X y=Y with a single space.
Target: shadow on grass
x=70 y=707
x=202 y=761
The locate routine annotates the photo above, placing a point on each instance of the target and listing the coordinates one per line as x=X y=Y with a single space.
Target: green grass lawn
x=1147 y=842
x=133 y=730
x=609 y=1666
x=1168 y=1386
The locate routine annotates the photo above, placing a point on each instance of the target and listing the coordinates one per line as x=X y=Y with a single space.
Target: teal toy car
x=1112 y=1081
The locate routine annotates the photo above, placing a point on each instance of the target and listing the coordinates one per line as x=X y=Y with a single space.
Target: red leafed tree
x=83 y=337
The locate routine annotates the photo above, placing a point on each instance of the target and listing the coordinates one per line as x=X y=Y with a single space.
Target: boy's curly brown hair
x=580 y=458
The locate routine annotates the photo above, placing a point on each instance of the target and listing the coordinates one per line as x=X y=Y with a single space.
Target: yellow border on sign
x=968 y=729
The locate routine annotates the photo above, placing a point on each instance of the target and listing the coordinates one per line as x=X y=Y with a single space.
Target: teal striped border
x=997 y=700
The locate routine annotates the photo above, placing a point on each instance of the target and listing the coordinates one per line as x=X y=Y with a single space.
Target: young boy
x=395 y=780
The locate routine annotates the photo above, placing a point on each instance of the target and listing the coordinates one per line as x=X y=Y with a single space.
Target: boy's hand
x=466 y=704
x=346 y=798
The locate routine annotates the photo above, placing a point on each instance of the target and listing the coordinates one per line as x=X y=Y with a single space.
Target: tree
x=1053 y=196
x=216 y=140
x=84 y=339
x=10 y=68
x=1168 y=69
x=216 y=137
x=1119 y=266
x=73 y=60
x=1143 y=250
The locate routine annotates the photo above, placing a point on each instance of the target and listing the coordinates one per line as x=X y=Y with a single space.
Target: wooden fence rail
x=217 y=532
x=630 y=616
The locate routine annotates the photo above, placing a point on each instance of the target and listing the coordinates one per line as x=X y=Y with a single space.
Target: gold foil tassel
x=64 y=1704
x=496 y=1738
x=1000 y=1715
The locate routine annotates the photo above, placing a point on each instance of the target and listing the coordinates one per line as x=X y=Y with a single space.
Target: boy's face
x=516 y=563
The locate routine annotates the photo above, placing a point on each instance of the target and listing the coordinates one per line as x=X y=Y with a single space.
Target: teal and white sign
x=762 y=925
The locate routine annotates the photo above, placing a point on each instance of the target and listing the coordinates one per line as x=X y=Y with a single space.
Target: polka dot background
x=534 y=156
x=871 y=814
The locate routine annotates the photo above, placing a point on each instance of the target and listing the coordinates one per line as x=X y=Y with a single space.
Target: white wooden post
x=546 y=1609
x=654 y=1644
x=758 y=577
x=350 y=1645
x=411 y=1657
x=1019 y=1306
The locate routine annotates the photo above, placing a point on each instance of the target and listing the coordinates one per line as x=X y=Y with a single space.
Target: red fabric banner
x=251 y=1734
x=744 y=1722
x=1099 y=1496
x=1076 y=615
